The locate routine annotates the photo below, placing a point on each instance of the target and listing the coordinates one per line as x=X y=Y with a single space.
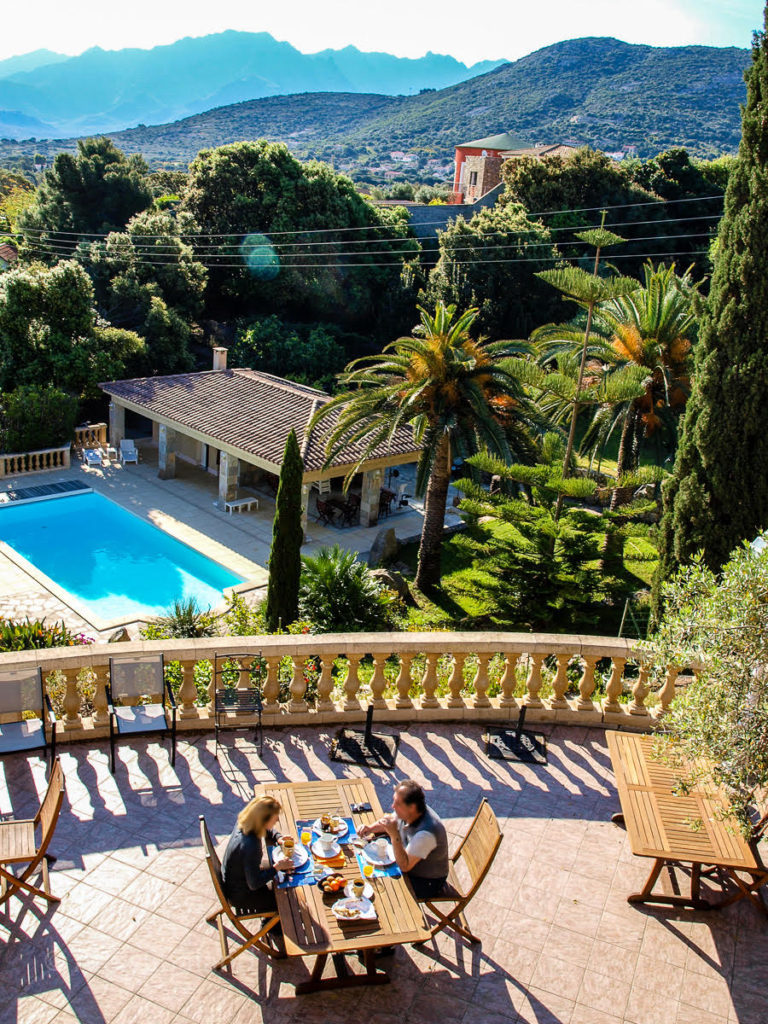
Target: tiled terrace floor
x=129 y=943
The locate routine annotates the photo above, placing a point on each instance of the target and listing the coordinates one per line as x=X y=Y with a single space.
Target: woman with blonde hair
x=247 y=870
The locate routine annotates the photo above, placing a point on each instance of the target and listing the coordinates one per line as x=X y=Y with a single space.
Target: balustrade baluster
x=429 y=683
x=187 y=694
x=533 y=682
x=615 y=688
x=378 y=681
x=352 y=684
x=271 y=685
x=100 y=708
x=298 y=704
x=640 y=691
x=456 y=682
x=72 y=701
x=508 y=680
x=667 y=692
x=404 y=682
x=587 y=684
x=481 y=682
x=560 y=684
x=325 y=685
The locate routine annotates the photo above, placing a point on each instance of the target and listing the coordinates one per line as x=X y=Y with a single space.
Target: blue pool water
x=113 y=564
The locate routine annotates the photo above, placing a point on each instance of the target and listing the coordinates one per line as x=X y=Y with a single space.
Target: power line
x=661 y=204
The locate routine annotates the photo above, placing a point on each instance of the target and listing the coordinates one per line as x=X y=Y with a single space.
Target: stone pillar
x=166 y=452
x=305 y=489
x=116 y=424
x=369 y=500
x=229 y=474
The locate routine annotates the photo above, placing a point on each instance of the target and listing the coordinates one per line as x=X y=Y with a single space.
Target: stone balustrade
x=19 y=463
x=92 y=436
x=407 y=677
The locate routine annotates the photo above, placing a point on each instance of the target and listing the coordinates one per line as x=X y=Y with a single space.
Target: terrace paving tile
x=560 y=944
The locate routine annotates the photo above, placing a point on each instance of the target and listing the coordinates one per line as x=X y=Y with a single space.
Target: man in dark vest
x=418 y=837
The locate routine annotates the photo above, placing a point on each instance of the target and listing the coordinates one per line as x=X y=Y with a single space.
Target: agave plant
x=183 y=620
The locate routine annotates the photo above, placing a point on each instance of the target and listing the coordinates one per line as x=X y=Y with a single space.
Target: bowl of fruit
x=332 y=883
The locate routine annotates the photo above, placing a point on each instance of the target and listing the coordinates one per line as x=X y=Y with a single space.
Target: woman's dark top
x=246 y=868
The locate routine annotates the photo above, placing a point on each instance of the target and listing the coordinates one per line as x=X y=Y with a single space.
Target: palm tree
x=650 y=329
x=456 y=394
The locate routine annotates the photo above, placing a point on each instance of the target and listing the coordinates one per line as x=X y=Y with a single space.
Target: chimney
x=220 y=359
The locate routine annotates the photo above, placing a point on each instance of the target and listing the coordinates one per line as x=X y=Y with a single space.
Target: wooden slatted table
x=309 y=926
x=691 y=828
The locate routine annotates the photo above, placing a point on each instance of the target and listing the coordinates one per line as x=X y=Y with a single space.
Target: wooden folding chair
x=477 y=850
x=18 y=846
x=269 y=918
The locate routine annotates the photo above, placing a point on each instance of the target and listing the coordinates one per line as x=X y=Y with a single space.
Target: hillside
x=108 y=90
x=599 y=92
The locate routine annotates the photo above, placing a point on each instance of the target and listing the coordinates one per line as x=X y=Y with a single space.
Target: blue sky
x=505 y=28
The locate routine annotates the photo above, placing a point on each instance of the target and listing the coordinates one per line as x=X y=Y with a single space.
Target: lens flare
x=260 y=257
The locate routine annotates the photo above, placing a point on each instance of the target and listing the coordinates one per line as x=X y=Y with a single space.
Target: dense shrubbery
x=338 y=594
x=306 y=353
x=30 y=635
x=34 y=417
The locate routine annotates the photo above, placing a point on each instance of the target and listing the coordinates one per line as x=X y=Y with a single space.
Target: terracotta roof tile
x=245 y=409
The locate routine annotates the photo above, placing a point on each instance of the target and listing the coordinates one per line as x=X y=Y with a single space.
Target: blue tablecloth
x=305 y=875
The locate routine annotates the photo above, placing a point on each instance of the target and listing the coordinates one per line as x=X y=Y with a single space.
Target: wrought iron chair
x=22 y=691
x=325 y=513
x=232 y=701
x=139 y=700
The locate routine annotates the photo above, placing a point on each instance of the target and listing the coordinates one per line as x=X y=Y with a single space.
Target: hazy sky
x=408 y=28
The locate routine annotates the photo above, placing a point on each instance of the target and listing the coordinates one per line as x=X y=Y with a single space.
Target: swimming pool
x=111 y=563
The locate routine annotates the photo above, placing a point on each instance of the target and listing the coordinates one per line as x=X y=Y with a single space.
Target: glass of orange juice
x=368 y=870
x=306 y=837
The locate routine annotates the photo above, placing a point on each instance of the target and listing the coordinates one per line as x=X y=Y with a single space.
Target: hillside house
x=8 y=256
x=478 y=164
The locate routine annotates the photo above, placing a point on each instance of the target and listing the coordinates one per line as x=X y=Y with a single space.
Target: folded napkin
x=331 y=862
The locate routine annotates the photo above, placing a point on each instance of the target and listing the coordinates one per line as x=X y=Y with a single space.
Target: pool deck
x=184 y=507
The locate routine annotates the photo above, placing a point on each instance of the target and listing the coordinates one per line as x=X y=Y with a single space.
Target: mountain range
x=600 y=92
x=107 y=90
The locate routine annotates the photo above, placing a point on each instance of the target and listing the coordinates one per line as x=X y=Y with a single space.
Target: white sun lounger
x=93 y=457
x=128 y=451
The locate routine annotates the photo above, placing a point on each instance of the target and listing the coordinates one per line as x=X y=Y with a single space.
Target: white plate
x=363 y=910
x=299 y=858
x=371 y=854
x=325 y=852
x=341 y=830
x=367 y=891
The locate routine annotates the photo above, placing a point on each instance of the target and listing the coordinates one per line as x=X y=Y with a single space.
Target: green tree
x=489 y=263
x=36 y=416
x=50 y=332
x=457 y=394
x=286 y=244
x=282 y=605
x=339 y=594
x=718 y=494
x=306 y=353
x=148 y=279
x=94 y=191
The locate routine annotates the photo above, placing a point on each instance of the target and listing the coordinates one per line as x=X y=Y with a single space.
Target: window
x=472 y=178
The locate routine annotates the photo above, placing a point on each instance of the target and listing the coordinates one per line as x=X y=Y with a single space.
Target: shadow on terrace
x=560 y=944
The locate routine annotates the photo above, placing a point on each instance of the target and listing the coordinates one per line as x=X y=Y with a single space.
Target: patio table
x=309 y=926
x=680 y=828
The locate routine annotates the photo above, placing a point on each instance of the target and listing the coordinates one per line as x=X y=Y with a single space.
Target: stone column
x=229 y=474
x=116 y=424
x=166 y=452
x=305 y=489
x=369 y=500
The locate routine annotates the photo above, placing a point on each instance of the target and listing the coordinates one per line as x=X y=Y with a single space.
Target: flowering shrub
x=29 y=635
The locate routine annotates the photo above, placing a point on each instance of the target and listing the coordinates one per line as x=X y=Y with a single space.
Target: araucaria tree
x=457 y=394
x=282 y=606
x=718 y=495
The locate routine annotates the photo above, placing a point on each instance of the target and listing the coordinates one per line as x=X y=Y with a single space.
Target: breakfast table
x=310 y=926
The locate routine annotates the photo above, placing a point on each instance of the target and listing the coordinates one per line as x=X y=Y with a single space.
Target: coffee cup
x=381 y=848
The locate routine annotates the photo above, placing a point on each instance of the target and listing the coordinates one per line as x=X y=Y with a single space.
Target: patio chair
x=134 y=678
x=93 y=457
x=232 y=701
x=322 y=486
x=22 y=691
x=268 y=918
x=128 y=451
x=325 y=513
x=19 y=846
x=477 y=850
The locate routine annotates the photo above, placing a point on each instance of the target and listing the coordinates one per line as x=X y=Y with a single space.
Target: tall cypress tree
x=718 y=494
x=287 y=536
